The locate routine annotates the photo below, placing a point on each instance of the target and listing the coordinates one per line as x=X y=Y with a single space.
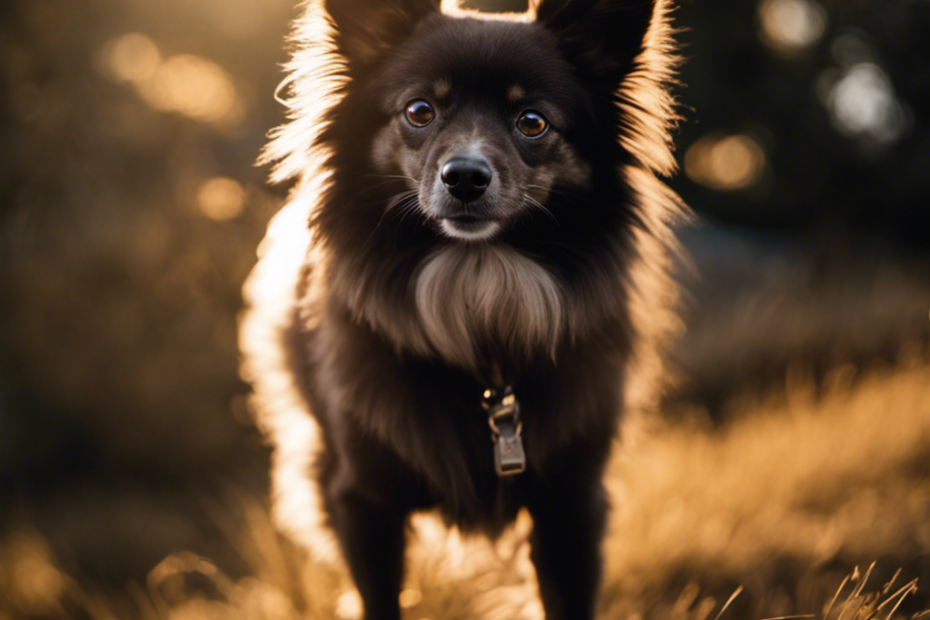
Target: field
x=812 y=500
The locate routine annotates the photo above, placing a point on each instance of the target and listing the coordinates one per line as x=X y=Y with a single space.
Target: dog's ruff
x=468 y=294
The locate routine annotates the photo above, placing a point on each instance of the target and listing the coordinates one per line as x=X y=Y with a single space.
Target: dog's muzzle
x=468 y=215
x=466 y=178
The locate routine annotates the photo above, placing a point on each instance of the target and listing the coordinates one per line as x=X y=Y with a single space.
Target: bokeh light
x=862 y=103
x=184 y=84
x=132 y=57
x=221 y=198
x=726 y=162
x=349 y=606
x=850 y=49
x=194 y=87
x=410 y=598
x=29 y=575
x=791 y=25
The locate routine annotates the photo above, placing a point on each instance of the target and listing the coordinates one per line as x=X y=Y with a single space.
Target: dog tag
x=504 y=419
x=509 y=458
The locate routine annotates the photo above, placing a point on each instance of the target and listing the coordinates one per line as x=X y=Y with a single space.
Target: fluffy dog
x=468 y=282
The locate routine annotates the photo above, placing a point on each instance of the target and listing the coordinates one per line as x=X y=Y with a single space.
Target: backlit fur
x=375 y=319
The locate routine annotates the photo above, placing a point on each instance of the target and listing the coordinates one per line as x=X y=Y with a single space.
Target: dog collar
x=503 y=411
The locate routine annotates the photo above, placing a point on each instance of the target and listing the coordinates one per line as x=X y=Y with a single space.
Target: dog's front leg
x=372 y=540
x=569 y=519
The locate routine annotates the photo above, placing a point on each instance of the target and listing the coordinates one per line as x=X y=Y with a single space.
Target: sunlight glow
x=185 y=84
x=221 y=198
x=454 y=8
x=726 y=163
x=791 y=25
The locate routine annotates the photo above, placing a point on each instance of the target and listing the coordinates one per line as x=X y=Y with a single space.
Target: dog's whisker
x=540 y=206
x=389 y=176
x=408 y=207
x=552 y=190
x=405 y=209
x=369 y=188
x=398 y=200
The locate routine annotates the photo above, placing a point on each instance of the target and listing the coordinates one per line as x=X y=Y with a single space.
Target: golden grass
x=796 y=484
x=760 y=519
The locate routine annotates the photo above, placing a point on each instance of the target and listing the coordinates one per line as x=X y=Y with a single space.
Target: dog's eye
x=532 y=124
x=419 y=113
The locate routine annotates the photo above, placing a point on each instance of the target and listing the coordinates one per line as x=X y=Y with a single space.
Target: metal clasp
x=503 y=411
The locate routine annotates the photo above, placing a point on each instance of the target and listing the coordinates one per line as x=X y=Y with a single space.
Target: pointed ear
x=601 y=37
x=367 y=29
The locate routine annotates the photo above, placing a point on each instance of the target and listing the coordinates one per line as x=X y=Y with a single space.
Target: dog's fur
x=391 y=313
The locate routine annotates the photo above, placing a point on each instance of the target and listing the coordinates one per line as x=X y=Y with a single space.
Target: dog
x=469 y=283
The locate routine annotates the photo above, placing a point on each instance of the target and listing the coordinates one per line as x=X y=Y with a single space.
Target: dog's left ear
x=366 y=30
x=601 y=37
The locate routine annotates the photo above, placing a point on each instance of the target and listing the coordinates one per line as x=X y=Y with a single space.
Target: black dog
x=486 y=271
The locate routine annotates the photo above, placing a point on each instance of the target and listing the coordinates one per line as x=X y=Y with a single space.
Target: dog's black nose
x=466 y=178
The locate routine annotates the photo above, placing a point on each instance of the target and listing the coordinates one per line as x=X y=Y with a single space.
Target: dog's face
x=479 y=129
x=484 y=118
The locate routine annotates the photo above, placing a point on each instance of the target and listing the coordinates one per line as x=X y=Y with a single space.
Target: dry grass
x=802 y=488
x=766 y=517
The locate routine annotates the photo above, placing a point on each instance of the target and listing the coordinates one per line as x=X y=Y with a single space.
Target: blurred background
x=130 y=210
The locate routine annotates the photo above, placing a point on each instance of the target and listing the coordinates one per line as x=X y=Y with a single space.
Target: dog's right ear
x=368 y=29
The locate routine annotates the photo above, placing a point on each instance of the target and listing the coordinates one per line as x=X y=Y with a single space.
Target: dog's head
x=485 y=118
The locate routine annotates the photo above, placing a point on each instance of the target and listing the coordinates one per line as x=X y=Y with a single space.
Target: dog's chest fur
x=467 y=295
